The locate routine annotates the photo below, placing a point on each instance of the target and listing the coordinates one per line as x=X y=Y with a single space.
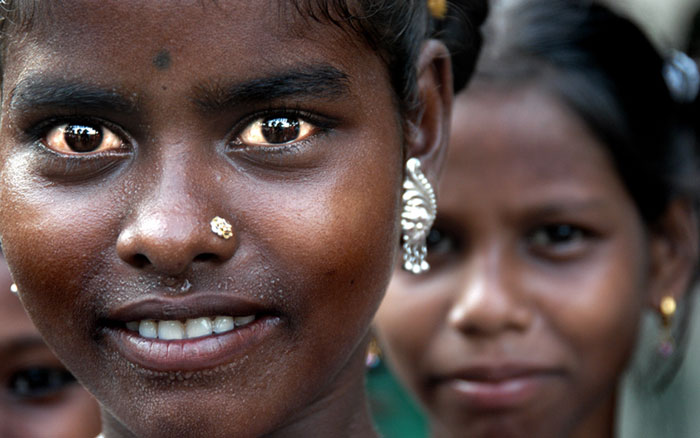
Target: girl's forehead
x=244 y=30
x=129 y=43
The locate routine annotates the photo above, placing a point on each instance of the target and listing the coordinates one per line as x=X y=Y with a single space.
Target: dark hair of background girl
x=604 y=68
x=608 y=72
x=395 y=28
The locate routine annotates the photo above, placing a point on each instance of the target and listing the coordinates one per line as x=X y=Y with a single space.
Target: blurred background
x=643 y=413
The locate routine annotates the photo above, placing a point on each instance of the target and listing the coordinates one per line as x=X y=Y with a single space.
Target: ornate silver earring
x=417 y=217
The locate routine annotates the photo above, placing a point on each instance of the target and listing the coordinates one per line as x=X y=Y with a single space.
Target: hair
x=396 y=29
x=608 y=72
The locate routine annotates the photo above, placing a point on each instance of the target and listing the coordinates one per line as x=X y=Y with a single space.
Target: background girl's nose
x=485 y=305
x=170 y=242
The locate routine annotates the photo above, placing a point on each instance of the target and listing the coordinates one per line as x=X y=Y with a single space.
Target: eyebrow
x=17 y=345
x=321 y=81
x=316 y=81
x=40 y=91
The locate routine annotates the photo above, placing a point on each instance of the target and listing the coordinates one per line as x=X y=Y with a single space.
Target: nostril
x=140 y=260
x=205 y=257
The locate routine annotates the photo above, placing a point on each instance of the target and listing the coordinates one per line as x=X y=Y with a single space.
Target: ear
x=429 y=128
x=674 y=253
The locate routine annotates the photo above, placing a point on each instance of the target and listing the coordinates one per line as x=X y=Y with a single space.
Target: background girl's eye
x=559 y=241
x=441 y=245
x=38 y=382
x=556 y=234
x=276 y=131
x=81 y=139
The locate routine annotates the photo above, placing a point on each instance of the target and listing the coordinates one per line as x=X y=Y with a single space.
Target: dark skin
x=124 y=229
x=530 y=312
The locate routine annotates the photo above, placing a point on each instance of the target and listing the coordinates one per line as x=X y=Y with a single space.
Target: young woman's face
x=539 y=267
x=126 y=128
x=38 y=396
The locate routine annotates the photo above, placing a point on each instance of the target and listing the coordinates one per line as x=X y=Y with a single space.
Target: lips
x=189 y=333
x=498 y=387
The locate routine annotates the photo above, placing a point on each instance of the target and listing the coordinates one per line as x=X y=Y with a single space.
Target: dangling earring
x=13 y=289
x=668 y=310
x=374 y=354
x=418 y=215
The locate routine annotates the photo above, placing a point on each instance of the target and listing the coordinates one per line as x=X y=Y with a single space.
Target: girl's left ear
x=674 y=253
x=429 y=129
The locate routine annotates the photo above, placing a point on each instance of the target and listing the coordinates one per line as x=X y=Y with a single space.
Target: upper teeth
x=192 y=328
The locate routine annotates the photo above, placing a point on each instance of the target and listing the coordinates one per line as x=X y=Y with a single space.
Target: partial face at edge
x=37 y=394
x=116 y=157
x=539 y=275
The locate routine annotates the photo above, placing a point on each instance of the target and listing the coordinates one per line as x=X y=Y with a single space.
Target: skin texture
x=315 y=222
x=507 y=302
x=65 y=410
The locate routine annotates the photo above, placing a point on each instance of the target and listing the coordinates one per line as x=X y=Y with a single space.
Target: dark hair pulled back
x=604 y=68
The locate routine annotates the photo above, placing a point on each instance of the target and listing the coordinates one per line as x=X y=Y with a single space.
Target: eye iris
x=280 y=130
x=82 y=138
x=562 y=233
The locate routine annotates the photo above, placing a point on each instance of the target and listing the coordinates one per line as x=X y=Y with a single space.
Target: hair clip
x=438 y=8
x=682 y=77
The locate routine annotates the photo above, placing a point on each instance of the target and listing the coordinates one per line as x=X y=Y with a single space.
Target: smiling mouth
x=193 y=328
x=196 y=332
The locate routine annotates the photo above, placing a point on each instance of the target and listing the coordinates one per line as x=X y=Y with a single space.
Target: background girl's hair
x=604 y=68
x=396 y=29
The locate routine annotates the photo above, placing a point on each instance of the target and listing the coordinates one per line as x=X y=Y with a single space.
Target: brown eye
x=276 y=131
x=76 y=139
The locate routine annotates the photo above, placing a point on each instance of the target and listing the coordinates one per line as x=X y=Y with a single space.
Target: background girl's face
x=538 y=276
x=38 y=396
x=125 y=129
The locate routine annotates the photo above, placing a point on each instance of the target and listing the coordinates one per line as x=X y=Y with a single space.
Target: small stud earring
x=667 y=308
x=221 y=227
x=13 y=289
x=417 y=217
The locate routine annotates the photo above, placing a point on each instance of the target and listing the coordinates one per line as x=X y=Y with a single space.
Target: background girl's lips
x=190 y=354
x=497 y=388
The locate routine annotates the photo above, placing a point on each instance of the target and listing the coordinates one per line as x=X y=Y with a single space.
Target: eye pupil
x=82 y=138
x=280 y=130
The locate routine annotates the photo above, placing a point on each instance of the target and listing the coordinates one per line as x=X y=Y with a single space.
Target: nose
x=172 y=228
x=486 y=302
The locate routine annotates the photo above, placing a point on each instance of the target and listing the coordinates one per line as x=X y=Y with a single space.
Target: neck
x=600 y=423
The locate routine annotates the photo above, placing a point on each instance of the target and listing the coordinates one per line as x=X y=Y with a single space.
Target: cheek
x=53 y=243
x=340 y=239
x=596 y=315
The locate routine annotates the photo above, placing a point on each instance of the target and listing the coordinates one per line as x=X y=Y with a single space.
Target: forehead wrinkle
x=320 y=81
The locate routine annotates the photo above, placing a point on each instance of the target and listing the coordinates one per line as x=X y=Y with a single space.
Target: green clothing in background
x=395 y=414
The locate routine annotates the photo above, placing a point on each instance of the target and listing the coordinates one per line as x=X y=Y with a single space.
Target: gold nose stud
x=221 y=227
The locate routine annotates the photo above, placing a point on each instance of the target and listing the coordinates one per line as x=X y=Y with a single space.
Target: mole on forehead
x=162 y=60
